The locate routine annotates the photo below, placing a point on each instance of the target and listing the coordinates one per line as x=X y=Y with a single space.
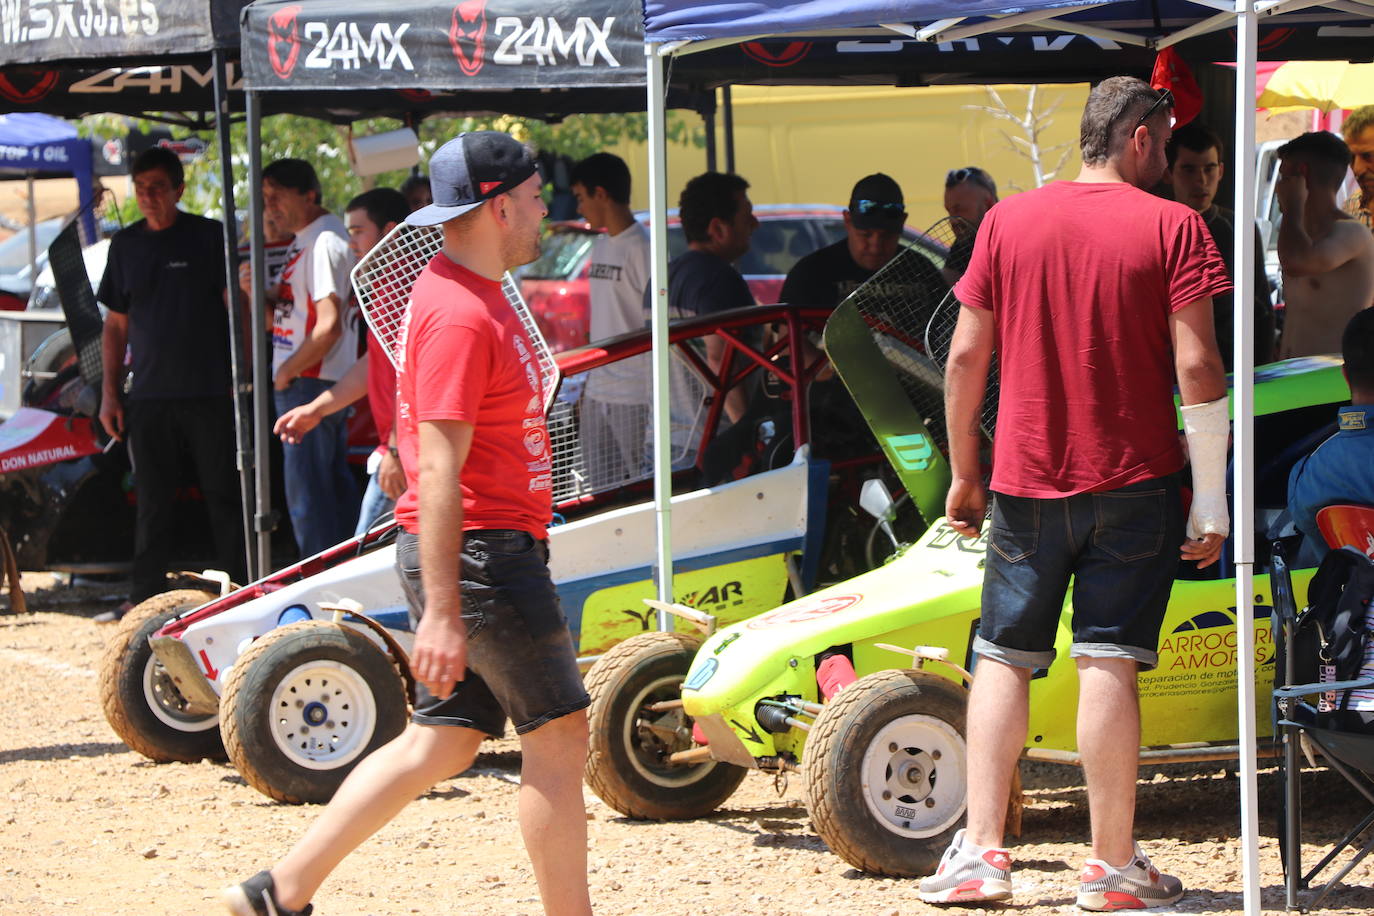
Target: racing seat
x=1306 y=724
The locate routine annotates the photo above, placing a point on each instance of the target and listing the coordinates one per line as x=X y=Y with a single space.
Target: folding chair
x=1349 y=753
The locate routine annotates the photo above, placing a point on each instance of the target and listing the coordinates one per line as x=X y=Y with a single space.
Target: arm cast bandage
x=1208 y=430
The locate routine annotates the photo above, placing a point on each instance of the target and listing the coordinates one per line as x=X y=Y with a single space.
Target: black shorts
x=1121 y=549
x=521 y=662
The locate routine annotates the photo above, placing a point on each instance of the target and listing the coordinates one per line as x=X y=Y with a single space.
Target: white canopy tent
x=678 y=27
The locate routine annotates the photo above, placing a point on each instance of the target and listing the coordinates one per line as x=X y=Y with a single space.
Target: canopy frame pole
x=1243 y=405
x=658 y=322
x=33 y=230
x=242 y=387
x=728 y=117
x=262 y=366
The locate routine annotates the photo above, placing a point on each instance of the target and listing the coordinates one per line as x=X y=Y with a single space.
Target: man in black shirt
x=165 y=291
x=717 y=221
x=873 y=229
x=1195 y=170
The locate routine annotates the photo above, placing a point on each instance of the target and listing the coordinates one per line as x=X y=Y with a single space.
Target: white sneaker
x=968 y=874
x=1136 y=886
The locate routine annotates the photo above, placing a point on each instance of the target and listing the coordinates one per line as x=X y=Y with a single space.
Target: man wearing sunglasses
x=1096 y=295
x=872 y=227
x=970 y=193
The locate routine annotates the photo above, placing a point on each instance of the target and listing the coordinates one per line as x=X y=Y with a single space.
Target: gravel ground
x=91 y=827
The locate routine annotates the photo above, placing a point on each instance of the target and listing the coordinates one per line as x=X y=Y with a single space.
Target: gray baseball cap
x=471 y=169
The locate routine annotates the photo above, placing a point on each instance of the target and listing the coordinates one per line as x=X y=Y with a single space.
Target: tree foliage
x=325 y=146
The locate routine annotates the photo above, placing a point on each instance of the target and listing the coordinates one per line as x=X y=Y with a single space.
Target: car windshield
x=563 y=252
x=14 y=251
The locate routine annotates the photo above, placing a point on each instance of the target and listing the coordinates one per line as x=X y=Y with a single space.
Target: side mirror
x=876 y=499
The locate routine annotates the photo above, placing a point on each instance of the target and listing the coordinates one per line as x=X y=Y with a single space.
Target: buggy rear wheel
x=140 y=700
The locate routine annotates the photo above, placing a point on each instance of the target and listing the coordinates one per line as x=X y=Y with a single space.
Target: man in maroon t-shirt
x=1096 y=296
x=491 y=642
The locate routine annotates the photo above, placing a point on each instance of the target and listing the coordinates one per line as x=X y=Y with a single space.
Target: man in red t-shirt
x=491 y=642
x=1096 y=296
x=368 y=218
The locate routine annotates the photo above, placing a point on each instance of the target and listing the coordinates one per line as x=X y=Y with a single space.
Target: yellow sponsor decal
x=731 y=591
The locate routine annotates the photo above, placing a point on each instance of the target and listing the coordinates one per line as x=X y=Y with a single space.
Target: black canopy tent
x=339 y=59
x=41 y=41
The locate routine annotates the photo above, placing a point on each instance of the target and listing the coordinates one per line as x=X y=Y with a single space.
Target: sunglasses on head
x=1165 y=100
x=958 y=176
x=865 y=207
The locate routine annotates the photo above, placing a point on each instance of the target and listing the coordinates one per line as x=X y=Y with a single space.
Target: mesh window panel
x=912 y=313
x=600 y=445
x=384 y=277
x=78 y=301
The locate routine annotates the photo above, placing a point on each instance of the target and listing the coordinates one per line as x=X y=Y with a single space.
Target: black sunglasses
x=865 y=207
x=1165 y=100
x=958 y=176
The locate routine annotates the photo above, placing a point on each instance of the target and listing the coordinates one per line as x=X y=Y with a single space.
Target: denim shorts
x=521 y=662
x=1121 y=549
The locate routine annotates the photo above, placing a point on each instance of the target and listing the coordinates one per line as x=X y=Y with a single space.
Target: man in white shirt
x=615 y=406
x=314 y=343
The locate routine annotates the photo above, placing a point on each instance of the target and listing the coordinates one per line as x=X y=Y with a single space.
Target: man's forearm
x=965 y=384
x=311 y=352
x=113 y=341
x=441 y=534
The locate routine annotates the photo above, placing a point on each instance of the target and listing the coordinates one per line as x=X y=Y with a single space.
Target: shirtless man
x=1327 y=257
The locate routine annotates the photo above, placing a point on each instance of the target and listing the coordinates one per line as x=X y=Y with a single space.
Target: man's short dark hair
x=604 y=170
x=1114 y=107
x=1357 y=349
x=1195 y=137
x=383 y=205
x=296 y=174
x=1325 y=154
x=159 y=157
x=413 y=182
x=1360 y=119
x=710 y=195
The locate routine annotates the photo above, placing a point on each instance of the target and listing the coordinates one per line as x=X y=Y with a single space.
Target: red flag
x=1173 y=73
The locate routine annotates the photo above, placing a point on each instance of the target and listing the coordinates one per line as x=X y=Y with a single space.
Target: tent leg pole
x=262 y=383
x=658 y=283
x=33 y=232
x=243 y=459
x=1243 y=405
x=708 y=119
x=728 y=116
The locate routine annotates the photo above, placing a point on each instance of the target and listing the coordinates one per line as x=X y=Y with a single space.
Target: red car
x=556 y=290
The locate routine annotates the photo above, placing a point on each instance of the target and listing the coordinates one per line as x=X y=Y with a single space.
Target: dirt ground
x=87 y=826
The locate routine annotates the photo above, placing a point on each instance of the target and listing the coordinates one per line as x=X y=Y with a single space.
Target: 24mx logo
x=545 y=40
x=345 y=45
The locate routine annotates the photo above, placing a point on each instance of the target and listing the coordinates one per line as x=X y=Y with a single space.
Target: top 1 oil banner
x=454 y=45
x=130 y=31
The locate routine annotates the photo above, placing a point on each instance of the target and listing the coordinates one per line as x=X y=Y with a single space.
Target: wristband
x=1209 y=431
x=395 y=452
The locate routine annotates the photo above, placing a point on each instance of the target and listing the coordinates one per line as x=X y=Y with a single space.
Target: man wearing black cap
x=873 y=227
x=491 y=642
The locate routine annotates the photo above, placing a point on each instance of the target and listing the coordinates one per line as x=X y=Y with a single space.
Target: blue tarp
x=694 y=20
x=47 y=147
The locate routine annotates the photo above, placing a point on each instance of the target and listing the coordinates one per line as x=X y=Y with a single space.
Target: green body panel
x=899 y=429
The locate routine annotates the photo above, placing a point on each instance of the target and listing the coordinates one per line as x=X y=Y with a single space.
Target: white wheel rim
x=322 y=715
x=166 y=702
x=668 y=777
x=914 y=773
